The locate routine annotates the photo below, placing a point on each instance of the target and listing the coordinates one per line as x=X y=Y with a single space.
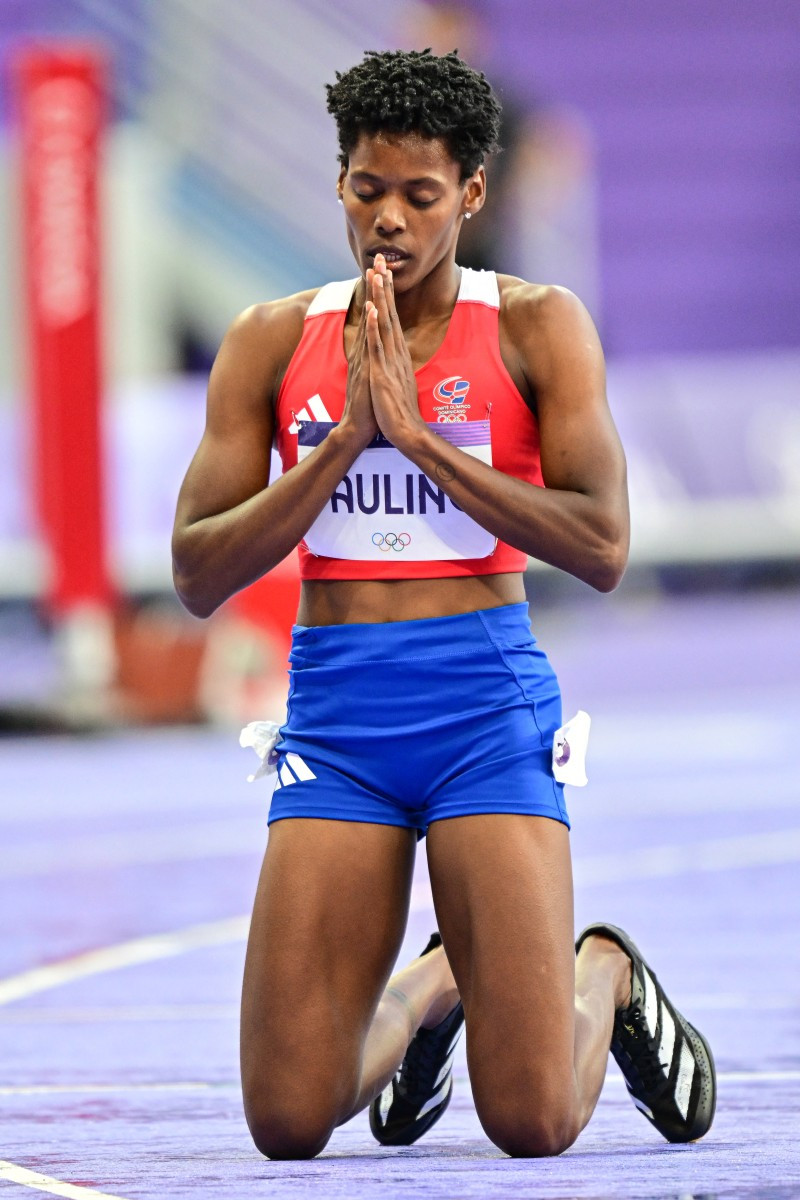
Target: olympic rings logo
x=391 y=541
x=451 y=419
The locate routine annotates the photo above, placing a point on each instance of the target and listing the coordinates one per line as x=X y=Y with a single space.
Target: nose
x=390 y=217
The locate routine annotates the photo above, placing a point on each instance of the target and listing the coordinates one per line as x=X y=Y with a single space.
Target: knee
x=523 y=1134
x=283 y=1132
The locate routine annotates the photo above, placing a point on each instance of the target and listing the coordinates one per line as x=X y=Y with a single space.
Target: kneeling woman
x=436 y=426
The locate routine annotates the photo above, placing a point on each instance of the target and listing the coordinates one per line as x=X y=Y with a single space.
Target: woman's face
x=403 y=198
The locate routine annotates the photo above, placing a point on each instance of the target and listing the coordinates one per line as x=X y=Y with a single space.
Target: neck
x=432 y=299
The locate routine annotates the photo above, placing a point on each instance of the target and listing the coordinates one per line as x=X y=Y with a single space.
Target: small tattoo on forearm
x=444 y=472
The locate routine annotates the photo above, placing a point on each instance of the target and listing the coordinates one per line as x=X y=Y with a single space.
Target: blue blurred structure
x=221 y=192
x=692 y=106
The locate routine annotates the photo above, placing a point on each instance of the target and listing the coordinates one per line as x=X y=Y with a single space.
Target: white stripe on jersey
x=318 y=412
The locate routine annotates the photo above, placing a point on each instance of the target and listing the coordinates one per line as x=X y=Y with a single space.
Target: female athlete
x=437 y=426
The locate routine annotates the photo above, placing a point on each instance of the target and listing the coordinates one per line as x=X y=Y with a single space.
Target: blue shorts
x=410 y=722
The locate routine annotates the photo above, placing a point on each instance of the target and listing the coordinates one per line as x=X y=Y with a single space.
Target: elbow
x=195 y=603
x=194 y=597
x=608 y=566
x=192 y=578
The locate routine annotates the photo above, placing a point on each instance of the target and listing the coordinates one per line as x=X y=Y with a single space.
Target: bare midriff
x=372 y=601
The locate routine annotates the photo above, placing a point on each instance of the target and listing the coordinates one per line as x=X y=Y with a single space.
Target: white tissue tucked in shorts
x=263 y=737
x=569 y=750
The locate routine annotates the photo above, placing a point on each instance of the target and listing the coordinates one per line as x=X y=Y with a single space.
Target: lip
x=394 y=255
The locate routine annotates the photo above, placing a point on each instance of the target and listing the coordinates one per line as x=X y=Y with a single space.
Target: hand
x=358 y=414
x=393 y=386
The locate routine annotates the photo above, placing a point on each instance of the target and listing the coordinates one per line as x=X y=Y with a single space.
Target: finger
x=385 y=323
x=374 y=340
x=368 y=282
x=397 y=329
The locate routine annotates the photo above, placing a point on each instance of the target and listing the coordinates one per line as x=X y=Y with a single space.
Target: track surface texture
x=130 y=863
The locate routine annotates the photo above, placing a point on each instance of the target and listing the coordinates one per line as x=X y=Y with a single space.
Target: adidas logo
x=314 y=410
x=292 y=770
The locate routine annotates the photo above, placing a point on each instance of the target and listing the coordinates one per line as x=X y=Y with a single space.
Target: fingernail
x=379 y=279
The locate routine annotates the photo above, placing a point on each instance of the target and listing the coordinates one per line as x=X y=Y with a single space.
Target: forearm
x=217 y=555
x=572 y=530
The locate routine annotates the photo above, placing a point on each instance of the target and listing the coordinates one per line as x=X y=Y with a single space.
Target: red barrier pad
x=62 y=112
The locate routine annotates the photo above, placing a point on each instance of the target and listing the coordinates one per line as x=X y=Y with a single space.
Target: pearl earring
x=467 y=216
x=339 y=198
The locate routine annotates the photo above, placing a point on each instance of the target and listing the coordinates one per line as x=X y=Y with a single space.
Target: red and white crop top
x=386 y=519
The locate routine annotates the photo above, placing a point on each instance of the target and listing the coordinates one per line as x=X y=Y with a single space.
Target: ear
x=474 y=192
x=340 y=181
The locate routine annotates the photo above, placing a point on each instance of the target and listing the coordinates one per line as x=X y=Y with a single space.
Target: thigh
x=328 y=923
x=502 y=887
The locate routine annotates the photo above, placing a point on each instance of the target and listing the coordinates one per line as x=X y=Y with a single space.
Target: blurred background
x=651 y=165
x=163 y=165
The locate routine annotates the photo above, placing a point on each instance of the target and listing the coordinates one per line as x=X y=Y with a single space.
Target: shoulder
x=547 y=306
x=545 y=323
x=272 y=320
x=260 y=342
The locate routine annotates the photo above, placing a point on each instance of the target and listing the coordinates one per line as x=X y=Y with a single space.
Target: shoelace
x=642 y=1052
x=418 y=1067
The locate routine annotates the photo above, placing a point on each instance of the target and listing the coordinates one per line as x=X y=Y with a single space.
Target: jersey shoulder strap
x=479 y=287
x=332 y=297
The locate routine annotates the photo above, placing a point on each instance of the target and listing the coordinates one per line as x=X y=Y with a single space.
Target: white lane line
x=240 y=838
x=11 y=1173
x=101 y=1089
x=720 y=854
x=109 y=852
x=736 y=1077
x=71 y=1089
x=93 y=1015
x=125 y=954
x=122 y=1014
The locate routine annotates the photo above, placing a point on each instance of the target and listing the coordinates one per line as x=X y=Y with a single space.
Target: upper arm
x=233 y=459
x=562 y=359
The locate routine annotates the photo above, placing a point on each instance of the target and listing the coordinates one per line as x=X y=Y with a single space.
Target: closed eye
x=417 y=203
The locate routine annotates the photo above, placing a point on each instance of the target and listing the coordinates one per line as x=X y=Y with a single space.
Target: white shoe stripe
x=642 y=1106
x=683 y=1085
x=446 y=1065
x=387 y=1096
x=666 y=1046
x=434 y=1100
x=650 y=1003
x=301 y=769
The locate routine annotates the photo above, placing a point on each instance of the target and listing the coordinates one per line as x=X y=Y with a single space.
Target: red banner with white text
x=62 y=112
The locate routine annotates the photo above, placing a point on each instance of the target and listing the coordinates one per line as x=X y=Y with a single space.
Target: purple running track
x=119 y=1073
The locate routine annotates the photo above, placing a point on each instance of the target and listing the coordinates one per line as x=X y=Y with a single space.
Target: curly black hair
x=405 y=91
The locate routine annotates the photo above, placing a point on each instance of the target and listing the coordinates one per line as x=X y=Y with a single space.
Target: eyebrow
x=423 y=181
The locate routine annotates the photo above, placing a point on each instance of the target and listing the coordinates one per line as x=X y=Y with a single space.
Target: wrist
x=416 y=442
x=348 y=439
